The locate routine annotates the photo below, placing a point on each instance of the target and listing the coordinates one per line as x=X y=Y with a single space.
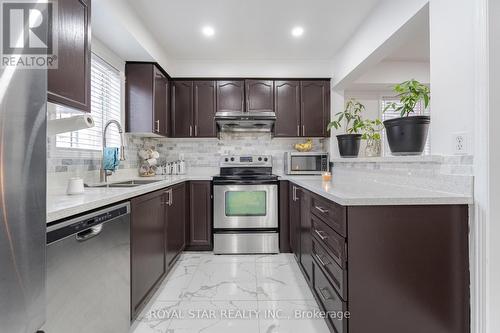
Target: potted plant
x=407 y=134
x=351 y=118
x=371 y=133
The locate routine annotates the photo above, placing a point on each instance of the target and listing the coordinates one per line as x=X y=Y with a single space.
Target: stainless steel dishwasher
x=88 y=272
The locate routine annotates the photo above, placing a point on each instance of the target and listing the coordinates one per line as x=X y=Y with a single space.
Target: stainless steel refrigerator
x=23 y=97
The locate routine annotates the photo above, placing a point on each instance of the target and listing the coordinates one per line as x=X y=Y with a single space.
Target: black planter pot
x=349 y=144
x=407 y=135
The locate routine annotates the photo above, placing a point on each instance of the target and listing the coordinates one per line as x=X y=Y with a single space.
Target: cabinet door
x=182 y=109
x=259 y=95
x=306 y=259
x=204 y=109
x=230 y=96
x=315 y=113
x=294 y=214
x=160 y=100
x=147 y=246
x=139 y=98
x=287 y=108
x=200 y=216
x=176 y=222
x=69 y=84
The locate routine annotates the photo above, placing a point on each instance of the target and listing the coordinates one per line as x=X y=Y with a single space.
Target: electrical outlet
x=181 y=157
x=460 y=143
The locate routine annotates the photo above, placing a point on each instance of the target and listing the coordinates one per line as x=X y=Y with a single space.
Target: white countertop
x=60 y=205
x=373 y=193
x=355 y=193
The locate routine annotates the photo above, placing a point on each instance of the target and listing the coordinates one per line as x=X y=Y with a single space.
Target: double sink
x=128 y=183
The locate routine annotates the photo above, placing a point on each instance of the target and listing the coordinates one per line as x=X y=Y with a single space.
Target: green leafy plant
x=372 y=129
x=409 y=93
x=351 y=117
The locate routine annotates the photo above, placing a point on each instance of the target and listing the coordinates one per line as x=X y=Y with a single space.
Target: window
x=391 y=114
x=105 y=97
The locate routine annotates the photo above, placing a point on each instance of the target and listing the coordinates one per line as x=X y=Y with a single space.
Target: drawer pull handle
x=320 y=260
x=320 y=234
x=321 y=209
x=322 y=294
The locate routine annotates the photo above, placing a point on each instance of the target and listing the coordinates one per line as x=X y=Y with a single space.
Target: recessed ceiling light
x=297 y=31
x=208 y=31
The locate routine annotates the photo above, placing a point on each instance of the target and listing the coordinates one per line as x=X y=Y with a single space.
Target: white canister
x=75 y=186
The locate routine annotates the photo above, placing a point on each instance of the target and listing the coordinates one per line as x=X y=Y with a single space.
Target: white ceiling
x=252 y=29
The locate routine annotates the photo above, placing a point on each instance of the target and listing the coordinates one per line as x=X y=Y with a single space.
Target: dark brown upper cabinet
x=182 y=109
x=69 y=84
x=315 y=110
x=231 y=96
x=193 y=109
x=199 y=235
x=287 y=108
x=147 y=99
x=204 y=109
x=259 y=95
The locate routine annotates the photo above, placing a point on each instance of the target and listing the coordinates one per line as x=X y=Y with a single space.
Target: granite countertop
x=373 y=193
x=348 y=193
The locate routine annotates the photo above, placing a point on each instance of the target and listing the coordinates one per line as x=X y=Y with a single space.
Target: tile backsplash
x=198 y=152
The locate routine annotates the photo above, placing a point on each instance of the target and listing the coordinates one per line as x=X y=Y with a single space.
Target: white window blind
x=391 y=114
x=105 y=105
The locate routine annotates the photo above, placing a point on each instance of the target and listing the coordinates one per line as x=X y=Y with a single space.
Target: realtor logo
x=28 y=36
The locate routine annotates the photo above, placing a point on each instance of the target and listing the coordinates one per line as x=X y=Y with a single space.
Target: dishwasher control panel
x=62 y=229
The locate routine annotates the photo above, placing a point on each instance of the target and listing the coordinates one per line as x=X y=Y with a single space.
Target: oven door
x=245 y=206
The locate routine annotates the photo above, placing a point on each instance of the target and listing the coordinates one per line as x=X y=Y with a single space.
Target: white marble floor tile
x=156 y=317
x=217 y=317
x=275 y=258
x=203 y=282
x=226 y=271
x=290 y=316
x=224 y=290
x=214 y=259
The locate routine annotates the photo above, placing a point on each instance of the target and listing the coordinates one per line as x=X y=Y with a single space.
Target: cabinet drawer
x=335 y=273
x=332 y=241
x=331 y=301
x=332 y=214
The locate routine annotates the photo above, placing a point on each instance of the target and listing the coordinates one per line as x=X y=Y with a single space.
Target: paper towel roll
x=70 y=124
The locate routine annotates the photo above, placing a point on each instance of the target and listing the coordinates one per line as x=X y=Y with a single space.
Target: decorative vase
x=407 y=135
x=373 y=148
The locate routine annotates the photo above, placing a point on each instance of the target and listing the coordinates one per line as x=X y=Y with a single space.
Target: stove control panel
x=246 y=161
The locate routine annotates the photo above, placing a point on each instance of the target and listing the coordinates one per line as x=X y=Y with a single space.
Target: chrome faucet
x=106 y=173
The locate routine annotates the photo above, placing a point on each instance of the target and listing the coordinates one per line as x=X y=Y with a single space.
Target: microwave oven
x=309 y=163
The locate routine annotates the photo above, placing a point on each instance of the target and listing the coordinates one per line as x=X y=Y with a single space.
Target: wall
x=493 y=258
x=375 y=38
x=452 y=71
x=197 y=153
x=271 y=68
x=391 y=72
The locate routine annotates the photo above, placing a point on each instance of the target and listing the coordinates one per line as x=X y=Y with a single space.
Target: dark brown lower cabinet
x=199 y=236
x=175 y=233
x=408 y=269
x=392 y=268
x=294 y=218
x=284 y=225
x=147 y=246
x=306 y=259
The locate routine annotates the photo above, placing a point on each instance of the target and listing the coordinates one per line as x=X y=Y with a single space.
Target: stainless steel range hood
x=245 y=121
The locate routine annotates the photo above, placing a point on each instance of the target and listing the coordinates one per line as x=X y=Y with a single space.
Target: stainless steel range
x=246 y=206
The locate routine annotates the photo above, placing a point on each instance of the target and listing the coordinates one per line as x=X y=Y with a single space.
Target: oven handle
x=242 y=182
